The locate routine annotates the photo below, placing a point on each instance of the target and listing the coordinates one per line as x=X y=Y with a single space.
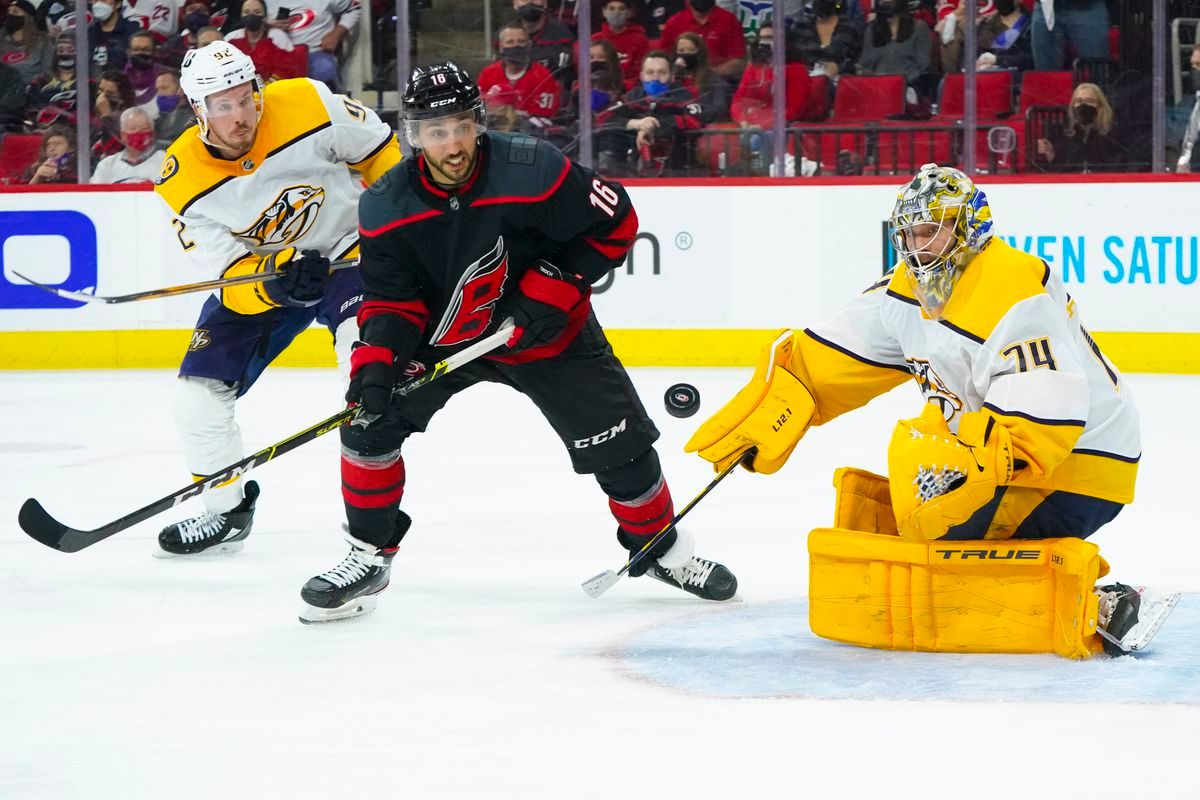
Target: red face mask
x=139 y=140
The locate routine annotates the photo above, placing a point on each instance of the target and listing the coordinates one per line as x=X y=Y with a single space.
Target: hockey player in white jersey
x=1028 y=434
x=262 y=183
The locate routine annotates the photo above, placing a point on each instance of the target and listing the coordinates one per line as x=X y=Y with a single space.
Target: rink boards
x=716 y=268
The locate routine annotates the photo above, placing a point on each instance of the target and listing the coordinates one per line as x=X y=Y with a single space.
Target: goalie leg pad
x=954 y=597
x=864 y=502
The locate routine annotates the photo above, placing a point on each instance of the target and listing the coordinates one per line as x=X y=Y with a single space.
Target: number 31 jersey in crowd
x=435 y=263
x=293 y=189
x=1011 y=344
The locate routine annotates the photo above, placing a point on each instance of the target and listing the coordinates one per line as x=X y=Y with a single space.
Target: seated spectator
x=1188 y=153
x=12 y=99
x=828 y=40
x=196 y=16
x=109 y=35
x=56 y=89
x=951 y=21
x=269 y=48
x=321 y=27
x=56 y=159
x=720 y=30
x=207 y=35
x=1082 y=23
x=650 y=121
x=627 y=37
x=692 y=70
x=552 y=43
x=140 y=161
x=754 y=101
x=24 y=44
x=896 y=44
x=114 y=96
x=141 y=66
x=174 y=114
x=1005 y=39
x=608 y=85
x=518 y=92
x=1088 y=141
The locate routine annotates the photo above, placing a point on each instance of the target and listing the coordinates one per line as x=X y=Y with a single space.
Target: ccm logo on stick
x=600 y=438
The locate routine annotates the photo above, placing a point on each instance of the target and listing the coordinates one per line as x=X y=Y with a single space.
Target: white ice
x=486 y=672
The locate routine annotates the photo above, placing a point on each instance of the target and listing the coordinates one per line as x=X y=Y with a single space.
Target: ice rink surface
x=487 y=672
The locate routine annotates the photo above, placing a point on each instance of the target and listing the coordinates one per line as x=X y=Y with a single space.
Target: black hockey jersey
x=434 y=263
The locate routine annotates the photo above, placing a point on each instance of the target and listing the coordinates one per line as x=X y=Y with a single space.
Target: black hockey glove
x=542 y=307
x=302 y=283
x=372 y=376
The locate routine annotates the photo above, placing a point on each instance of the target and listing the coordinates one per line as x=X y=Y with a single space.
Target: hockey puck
x=682 y=400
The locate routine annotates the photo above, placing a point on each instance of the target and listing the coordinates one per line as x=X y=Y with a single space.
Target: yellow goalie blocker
x=869 y=587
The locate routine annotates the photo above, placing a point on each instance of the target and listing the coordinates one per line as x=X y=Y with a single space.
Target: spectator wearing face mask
x=627 y=37
x=552 y=44
x=321 y=26
x=655 y=116
x=141 y=68
x=268 y=47
x=196 y=16
x=57 y=89
x=754 y=101
x=56 y=160
x=829 y=40
x=109 y=35
x=655 y=13
x=608 y=83
x=1187 y=151
x=1005 y=39
x=140 y=161
x=24 y=45
x=720 y=30
x=895 y=43
x=174 y=114
x=114 y=96
x=693 y=72
x=1088 y=141
x=518 y=92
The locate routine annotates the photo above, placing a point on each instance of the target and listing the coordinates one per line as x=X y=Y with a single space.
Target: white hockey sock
x=211 y=438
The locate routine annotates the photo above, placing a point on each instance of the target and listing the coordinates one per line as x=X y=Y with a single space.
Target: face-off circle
x=682 y=400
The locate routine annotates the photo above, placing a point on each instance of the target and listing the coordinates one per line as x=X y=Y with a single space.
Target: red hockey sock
x=645 y=515
x=366 y=486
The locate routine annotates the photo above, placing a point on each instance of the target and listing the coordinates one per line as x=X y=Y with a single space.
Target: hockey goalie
x=1028 y=443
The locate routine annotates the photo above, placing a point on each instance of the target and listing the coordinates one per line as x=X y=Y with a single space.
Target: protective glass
x=441 y=131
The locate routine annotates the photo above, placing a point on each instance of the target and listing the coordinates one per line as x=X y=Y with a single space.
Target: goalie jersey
x=1011 y=344
x=293 y=189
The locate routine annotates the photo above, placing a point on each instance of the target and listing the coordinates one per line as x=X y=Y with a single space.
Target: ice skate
x=350 y=589
x=210 y=533
x=1130 y=617
x=681 y=568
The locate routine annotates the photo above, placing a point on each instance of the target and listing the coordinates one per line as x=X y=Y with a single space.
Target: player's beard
x=240 y=140
x=456 y=174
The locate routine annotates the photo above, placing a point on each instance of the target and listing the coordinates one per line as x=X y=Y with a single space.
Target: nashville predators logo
x=934 y=388
x=287 y=219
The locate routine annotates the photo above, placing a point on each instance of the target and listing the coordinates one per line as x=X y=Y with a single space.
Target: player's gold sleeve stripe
x=379 y=160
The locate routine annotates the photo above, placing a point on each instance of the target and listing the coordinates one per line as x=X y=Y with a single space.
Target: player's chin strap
x=36 y=522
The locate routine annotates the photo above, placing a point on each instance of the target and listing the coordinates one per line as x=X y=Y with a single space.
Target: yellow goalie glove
x=771 y=413
x=938 y=480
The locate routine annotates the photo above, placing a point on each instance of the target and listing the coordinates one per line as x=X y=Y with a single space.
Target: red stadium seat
x=1045 y=89
x=17 y=152
x=993 y=95
x=858 y=100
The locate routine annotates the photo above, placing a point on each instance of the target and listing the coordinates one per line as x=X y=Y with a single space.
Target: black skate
x=1130 y=617
x=679 y=567
x=210 y=533
x=350 y=588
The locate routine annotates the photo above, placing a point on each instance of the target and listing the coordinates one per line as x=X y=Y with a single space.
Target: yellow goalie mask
x=939 y=480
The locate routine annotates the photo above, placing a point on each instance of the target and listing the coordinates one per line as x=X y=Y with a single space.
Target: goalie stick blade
x=46 y=529
x=600 y=584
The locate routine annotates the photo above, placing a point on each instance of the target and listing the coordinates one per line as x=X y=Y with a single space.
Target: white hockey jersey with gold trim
x=1011 y=344
x=293 y=189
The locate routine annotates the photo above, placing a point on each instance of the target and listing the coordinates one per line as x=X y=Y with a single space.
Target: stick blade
x=36 y=522
x=66 y=294
x=600 y=584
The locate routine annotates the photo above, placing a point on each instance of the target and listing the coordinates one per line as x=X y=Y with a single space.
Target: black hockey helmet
x=436 y=91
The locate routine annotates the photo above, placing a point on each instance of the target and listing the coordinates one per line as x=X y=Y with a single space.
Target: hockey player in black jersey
x=477 y=228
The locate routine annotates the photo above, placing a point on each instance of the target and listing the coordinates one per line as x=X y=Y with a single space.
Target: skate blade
x=215 y=550
x=1159 y=605
x=311 y=615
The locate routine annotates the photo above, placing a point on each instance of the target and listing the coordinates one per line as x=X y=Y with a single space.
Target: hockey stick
x=171 y=291
x=44 y=528
x=606 y=580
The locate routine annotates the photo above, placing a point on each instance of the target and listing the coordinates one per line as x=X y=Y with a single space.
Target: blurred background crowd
x=673 y=87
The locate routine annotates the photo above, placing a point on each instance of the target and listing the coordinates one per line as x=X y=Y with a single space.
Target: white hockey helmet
x=214 y=68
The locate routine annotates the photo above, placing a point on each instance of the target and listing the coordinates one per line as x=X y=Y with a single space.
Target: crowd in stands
x=135 y=50
x=675 y=86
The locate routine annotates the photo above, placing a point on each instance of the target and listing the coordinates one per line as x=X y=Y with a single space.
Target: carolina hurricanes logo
x=469 y=311
x=287 y=219
x=301 y=18
x=14 y=57
x=934 y=388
